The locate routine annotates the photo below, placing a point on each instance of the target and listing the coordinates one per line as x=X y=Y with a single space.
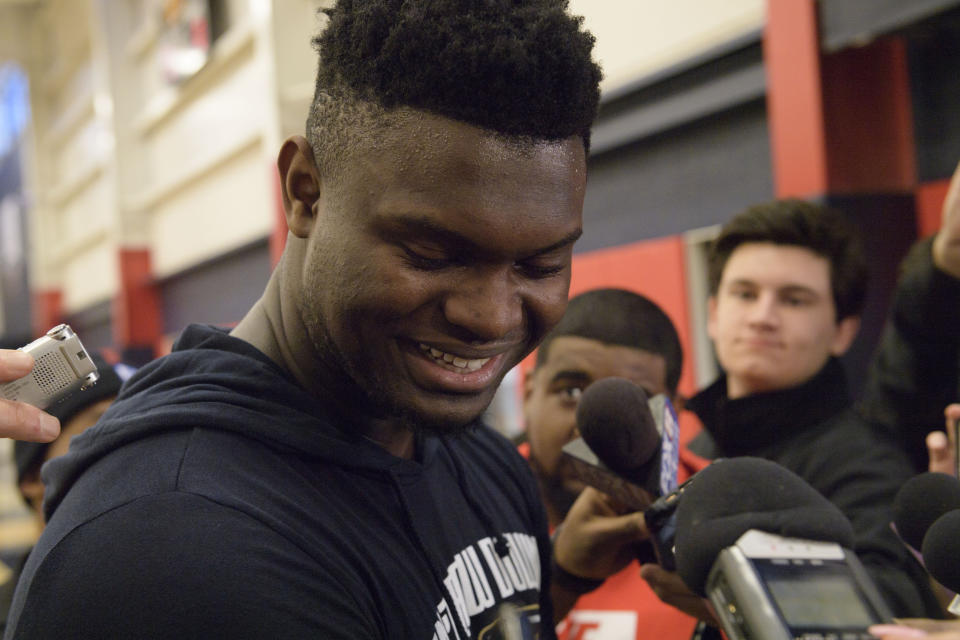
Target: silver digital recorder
x=61 y=367
x=767 y=587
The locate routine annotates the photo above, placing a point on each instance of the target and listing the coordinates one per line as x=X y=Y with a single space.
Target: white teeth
x=456 y=361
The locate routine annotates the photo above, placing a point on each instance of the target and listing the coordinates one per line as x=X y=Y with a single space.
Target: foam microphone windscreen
x=941 y=550
x=614 y=420
x=921 y=500
x=732 y=496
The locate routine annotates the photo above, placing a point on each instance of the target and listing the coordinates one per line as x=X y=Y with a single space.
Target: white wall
x=125 y=160
x=638 y=37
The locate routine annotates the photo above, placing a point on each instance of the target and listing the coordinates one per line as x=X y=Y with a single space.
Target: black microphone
x=619 y=448
x=615 y=421
x=629 y=450
x=920 y=502
x=734 y=495
x=941 y=550
x=772 y=555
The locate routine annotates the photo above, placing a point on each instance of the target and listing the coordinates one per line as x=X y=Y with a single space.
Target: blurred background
x=138 y=191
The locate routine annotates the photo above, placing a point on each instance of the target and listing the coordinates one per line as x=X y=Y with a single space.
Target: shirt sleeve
x=177 y=565
x=860 y=472
x=916 y=370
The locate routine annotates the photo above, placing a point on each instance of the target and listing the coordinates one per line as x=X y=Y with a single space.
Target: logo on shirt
x=478 y=579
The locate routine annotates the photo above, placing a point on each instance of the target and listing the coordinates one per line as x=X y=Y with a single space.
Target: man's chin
x=440 y=423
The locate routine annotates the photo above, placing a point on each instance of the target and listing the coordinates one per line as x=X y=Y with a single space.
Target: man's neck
x=265 y=326
x=275 y=329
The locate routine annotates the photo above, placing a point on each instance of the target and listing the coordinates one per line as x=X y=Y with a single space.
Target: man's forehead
x=570 y=353
x=779 y=266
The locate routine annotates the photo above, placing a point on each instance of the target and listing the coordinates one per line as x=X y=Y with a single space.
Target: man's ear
x=528 y=383
x=846 y=332
x=299 y=184
x=712 y=318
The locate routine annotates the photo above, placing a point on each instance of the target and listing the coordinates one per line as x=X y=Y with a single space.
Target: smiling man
x=320 y=471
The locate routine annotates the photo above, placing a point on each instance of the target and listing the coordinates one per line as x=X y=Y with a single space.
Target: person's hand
x=946 y=246
x=941 y=445
x=20 y=420
x=596 y=539
x=910 y=628
x=671 y=589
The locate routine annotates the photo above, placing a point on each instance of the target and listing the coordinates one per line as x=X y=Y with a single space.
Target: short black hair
x=793 y=222
x=621 y=317
x=519 y=68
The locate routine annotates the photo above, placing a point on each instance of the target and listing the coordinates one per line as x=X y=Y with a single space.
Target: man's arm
x=916 y=371
x=946 y=246
x=942 y=445
x=177 y=565
x=595 y=541
x=861 y=473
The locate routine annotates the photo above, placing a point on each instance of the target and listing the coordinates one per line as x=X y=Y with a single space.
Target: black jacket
x=216 y=500
x=813 y=431
x=916 y=372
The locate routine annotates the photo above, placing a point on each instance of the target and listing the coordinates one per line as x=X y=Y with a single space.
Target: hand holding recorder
x=38 y=375
x=19 y=420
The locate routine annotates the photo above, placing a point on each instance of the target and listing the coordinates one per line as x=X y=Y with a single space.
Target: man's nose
x=764 y=310
x=488 y=305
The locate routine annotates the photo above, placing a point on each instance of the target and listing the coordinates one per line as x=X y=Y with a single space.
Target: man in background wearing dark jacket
x=788 y=282
x=319 y=471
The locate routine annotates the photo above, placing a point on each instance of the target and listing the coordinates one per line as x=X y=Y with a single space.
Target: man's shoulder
x=848 y=429
x=162 y=477
x=846 y=450
x=172 y=558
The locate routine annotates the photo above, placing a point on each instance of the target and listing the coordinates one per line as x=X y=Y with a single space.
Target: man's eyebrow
x=787 y=288
x=799 y=288
x=566 y=241
x=421 y=225
x=575 y=375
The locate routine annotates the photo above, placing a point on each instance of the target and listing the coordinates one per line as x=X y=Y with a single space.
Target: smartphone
x=61 y=367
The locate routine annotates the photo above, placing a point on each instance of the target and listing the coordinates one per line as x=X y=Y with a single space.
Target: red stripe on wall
x=654 y=268
x=47 y=310
x=869 y=122
x=929 y=199
x=136 y=307
x=791 y=54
